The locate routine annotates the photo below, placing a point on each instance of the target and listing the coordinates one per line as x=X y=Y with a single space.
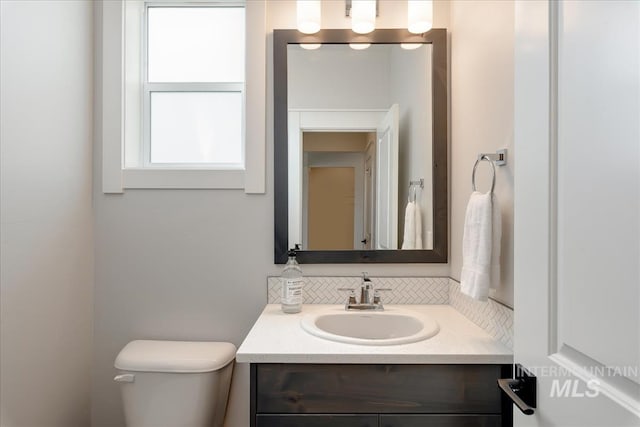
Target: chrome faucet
x=366 y=291
x=369 y=297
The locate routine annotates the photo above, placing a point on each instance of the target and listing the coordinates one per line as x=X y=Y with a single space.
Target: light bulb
x=363 y=16
x=359 y=46
x=410 y=46
x=419 y=16
x=310 y=46
x=308 y=16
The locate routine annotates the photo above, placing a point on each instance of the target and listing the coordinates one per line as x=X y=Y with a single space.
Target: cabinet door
x=440 y=420
x=341 y=420
x=366 y=389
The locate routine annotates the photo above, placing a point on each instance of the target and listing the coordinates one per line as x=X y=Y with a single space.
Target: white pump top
x=175 y=356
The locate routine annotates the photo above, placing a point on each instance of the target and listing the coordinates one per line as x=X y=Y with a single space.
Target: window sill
x=182 y=179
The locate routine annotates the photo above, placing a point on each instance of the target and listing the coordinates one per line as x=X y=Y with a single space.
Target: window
x=176 y=109
x=194 y=87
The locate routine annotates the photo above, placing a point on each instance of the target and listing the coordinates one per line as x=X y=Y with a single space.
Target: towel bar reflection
x=413 y=186
x=419 y=182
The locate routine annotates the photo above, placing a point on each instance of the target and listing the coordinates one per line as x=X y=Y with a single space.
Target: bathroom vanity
x=447 y=380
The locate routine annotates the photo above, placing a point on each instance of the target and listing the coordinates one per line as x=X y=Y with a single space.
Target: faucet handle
x=352 y=295
x=376 y=295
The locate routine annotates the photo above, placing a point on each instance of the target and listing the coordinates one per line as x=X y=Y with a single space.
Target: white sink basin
x=390 y=327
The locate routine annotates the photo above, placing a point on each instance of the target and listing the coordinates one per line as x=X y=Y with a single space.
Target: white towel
x=418 y=226
x=412 y=238
x=481 y=246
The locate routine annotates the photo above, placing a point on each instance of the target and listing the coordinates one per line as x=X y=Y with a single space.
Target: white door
x=577 y=210
x=386 y=234
x=369 y=191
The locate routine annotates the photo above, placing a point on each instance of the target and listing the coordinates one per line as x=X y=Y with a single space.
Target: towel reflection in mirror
x=412 y=238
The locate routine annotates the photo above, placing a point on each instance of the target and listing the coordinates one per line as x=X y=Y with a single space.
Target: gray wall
x=411 y=90
x=46 y=246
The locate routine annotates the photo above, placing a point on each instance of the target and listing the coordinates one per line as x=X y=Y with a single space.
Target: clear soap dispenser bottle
x=292 y=282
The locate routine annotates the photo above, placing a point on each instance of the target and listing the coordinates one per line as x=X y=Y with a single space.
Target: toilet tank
x=175 y=383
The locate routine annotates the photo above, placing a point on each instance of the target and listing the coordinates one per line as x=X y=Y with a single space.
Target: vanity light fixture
x=363 y=15
x=419 y=16
x=308 y=16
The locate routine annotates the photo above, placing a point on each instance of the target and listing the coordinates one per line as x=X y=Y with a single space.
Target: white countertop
x=277 y=337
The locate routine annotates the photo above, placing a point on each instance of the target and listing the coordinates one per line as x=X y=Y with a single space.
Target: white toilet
x=175 y=383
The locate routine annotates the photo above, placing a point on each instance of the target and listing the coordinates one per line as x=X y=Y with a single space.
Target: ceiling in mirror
x=357 y=119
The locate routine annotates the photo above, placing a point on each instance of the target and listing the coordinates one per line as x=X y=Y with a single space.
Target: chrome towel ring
x=473 y=174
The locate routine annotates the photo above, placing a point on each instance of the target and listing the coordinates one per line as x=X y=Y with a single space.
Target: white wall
x=411 y=90
x=360 y=82
x=46 y=243
x=482 y=37
x=183 y=264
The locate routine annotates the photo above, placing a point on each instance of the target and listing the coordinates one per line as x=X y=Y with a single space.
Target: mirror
x=360 y=146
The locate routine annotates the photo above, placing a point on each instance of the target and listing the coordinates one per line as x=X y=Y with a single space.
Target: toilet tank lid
x=175 y=356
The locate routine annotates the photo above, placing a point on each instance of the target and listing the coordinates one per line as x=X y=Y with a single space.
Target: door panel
x=331 y=208
x=577 y=199
x=598 y=180
x=386 y=235
x=369 y=196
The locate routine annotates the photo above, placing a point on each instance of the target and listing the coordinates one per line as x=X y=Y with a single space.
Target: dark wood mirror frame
x=438 y=39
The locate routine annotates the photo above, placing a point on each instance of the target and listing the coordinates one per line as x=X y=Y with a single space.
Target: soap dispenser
x=292 y=282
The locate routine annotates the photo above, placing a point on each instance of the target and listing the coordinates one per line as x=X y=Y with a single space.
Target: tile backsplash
x=492 y=316
x=405 y=290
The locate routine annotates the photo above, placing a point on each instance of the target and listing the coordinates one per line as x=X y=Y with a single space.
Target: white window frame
x=123 y=118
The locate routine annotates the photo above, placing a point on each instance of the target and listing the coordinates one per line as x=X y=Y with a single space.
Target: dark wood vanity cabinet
x=385 y=395
x=307 y=420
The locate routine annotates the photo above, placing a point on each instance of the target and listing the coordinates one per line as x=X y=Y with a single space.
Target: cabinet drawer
x=440 y=421
x=317 y=420
x=335 y=389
